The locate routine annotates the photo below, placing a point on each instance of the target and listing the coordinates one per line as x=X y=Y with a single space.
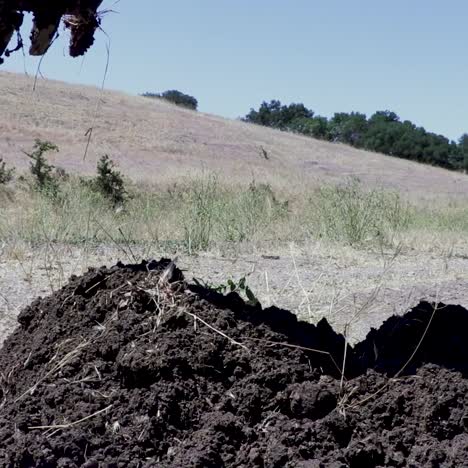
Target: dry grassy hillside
x=152 y=140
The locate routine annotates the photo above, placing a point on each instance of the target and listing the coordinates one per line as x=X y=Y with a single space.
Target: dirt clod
x=79 y=16
x=129 y=367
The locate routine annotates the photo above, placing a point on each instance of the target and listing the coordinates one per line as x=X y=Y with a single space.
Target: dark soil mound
x=442 y=331
x=132 y=367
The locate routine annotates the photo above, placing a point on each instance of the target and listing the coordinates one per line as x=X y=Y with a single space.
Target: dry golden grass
x=157 y=142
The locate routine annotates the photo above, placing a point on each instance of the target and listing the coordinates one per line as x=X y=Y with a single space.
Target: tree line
x=382 y=132
x=176 y=97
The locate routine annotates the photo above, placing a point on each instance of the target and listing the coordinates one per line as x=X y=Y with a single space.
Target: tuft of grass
x=199 y=212
x=351 y=214
x=251 y=213
x=6 y=174
x=453 y=219
x=213 y=213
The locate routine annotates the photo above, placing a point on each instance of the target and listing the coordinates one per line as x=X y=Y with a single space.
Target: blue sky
x=335 y=55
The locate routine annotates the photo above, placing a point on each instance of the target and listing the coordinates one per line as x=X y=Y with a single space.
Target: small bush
x=6 y=175
x=43 y=173
x=176 y=97
x=109 y=182
x=354 y=215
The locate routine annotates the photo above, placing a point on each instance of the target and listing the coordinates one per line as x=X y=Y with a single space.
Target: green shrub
x=109 y=182
x=6 y=175
x=43 y=173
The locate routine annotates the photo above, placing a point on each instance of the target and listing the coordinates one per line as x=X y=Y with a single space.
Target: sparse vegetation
x=201 y=214
x=353 y=215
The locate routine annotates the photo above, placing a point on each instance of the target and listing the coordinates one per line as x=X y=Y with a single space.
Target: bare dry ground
x=155 y=141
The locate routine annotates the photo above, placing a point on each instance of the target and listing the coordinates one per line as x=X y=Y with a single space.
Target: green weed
x=240 y=287
x=351 y=214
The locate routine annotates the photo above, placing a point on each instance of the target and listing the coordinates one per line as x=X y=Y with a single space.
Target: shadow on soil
x=131 y=366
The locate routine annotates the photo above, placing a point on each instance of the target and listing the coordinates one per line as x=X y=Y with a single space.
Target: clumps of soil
x=444 y=333
x=79 y=16
x=130 y=366
x=82 y=26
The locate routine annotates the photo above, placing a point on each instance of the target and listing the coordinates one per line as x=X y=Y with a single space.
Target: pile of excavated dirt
x=130 y=366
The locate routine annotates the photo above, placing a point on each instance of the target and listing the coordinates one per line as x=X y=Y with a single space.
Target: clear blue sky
x=409 y=56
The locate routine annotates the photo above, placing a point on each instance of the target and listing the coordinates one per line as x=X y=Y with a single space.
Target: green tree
x=383 y=132
x=455 y=157
x=267 y=114
x=384 y=116
x=348 y=128
x=176 y=97
x=463 y=145
x=316 y=127
x=293 y=112
x=273 y=114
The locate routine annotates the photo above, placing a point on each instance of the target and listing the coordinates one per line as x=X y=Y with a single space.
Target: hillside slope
x=155 y=141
